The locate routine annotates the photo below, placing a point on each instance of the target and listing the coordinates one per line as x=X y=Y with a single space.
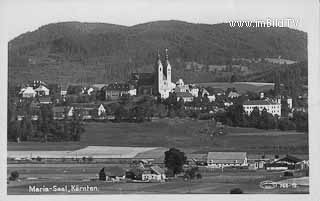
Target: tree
x=102 y=175
x=301 y=121
x=174 y=160
x=286 y=124
x=236 y=191
x=14 y=175
x=267 y=120
x=236 y=114
x=254 y=117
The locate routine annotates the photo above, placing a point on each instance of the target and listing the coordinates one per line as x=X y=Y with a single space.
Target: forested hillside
x=74 y=52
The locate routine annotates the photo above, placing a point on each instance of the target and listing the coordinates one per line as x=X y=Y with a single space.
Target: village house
x=185 y=96
x=271 y=107
x=194 y=90
x=28 y=92
x=45 y=100
x=227 y=159
x=90 y=111
x=116 y=90
x=60 y=112
x=285 y=163
x=42 y=91
x=153 y=173
x=233 y=94
x=210 y=94
x=181 y=87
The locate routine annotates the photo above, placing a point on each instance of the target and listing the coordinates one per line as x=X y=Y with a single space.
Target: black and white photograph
x=160 y=97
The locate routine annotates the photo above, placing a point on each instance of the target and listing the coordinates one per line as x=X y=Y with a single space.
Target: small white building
x=42 y=91
x=210 y=96
x=273 y=108
x=28 y=92
x=154 y=173
x=181 y=87
x=227 y=159
x=101 y=110
x=194 y=90
x=233 y=94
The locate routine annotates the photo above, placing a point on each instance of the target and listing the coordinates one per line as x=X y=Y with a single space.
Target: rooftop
x=259 y=102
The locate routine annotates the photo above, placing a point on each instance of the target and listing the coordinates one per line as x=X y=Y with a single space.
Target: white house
x=42 y=91
x=185 y=96
x=101 y=110
x=181 y=87
x=154 y=173
x=227 y=159
x=271 y=107
x=28 y=92
x=210 y=96
x=233 y=94
x=194 y=90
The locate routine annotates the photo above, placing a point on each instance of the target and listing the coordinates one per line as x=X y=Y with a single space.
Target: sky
x=21 y=16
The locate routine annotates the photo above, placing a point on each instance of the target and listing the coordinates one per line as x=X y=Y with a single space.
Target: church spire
x=167 y=57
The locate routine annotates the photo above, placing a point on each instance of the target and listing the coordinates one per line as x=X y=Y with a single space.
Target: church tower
x=159 y=73
x=167 y=67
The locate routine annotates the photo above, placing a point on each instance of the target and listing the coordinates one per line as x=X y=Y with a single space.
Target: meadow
x=184 y=134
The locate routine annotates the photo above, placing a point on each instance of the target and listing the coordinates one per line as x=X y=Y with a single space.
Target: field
x=149 y=139
x=241 y=87
x=212 y=182
x=185 y=134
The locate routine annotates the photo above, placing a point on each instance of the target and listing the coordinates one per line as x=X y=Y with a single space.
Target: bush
x=14 y=175
x=198 y=176
x=236 y=191
x=286 y=124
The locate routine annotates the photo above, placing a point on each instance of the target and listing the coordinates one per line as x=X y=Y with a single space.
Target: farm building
x=285 y=163
x=227 y=159
x=153 y=173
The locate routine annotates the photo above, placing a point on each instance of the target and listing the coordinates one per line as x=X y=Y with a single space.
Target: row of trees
x=45 y=128
x=236 y=116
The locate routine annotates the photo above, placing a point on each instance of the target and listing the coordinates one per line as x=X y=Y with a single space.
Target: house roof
x=58 y=109
x=289 y=158
x=157 y=169
x=233 y=94
x=99 y=86
x=212 y=90
x=42 y=88
x=114 y=171
x=183 y=94
x=118 y=87
x=45 y=99
x=28 y=90
x=226 y=157
x=259 y=102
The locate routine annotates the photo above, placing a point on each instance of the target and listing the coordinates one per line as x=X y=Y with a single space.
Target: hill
x=75 y=52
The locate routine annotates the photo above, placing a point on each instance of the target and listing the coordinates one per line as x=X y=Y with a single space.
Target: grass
x=185 y=134
x=216 y=182
x=180 y=133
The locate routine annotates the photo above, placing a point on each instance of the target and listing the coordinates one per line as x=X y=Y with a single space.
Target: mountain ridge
x=118 y=50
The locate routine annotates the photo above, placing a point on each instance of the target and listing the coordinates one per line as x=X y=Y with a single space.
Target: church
x=157 y=83
x=163 y=76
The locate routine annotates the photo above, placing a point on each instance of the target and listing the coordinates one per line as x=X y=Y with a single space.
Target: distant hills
x=75 y=52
